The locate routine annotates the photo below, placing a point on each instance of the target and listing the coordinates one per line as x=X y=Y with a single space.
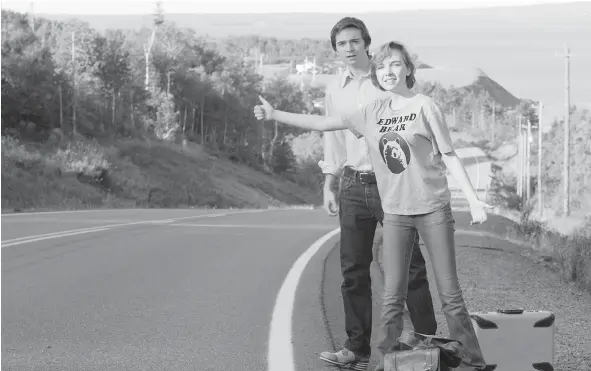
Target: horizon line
x=221 y=7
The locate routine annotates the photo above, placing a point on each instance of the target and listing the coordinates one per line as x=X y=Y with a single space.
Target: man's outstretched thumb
x=263 y=100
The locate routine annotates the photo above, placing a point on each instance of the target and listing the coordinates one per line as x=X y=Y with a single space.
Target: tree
x=111 y=66
x=72 y=45
x=552 y=174
x=284 y=96
x=29 y=78
x=158 y=20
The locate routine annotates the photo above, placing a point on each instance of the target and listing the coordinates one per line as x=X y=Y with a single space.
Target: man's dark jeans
x=360 y=211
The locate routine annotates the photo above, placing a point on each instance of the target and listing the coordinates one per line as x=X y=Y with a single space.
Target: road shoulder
x=310 y=332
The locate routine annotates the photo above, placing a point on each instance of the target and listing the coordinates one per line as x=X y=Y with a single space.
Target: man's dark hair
x=349 y=22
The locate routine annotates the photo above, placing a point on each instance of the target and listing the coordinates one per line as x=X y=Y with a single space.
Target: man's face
x=351 y=47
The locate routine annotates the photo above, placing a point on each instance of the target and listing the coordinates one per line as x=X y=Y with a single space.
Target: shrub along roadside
x=569 y=255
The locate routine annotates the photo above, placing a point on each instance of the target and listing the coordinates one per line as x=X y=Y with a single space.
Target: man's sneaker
x=347 y=359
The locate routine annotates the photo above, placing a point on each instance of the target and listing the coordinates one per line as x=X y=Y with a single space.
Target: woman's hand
x=263 y=111
x=478 y=211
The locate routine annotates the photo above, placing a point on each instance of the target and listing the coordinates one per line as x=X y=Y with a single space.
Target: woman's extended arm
x=457 y=170
x=311 y=122
x=442 y=143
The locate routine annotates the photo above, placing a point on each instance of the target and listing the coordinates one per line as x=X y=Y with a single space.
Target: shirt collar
x=347 y=76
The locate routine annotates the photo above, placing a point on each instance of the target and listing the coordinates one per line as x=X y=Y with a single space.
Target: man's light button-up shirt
x=342 y=148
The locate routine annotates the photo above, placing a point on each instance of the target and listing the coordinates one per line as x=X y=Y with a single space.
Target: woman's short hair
x=349 y=22
x=385 y=51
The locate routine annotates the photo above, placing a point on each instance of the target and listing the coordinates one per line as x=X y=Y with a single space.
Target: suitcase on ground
x=516 y=339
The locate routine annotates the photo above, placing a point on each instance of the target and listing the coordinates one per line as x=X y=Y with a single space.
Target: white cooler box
x=516 y=339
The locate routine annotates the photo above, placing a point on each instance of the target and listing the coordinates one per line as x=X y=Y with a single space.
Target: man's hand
x=330 y=202
x=263 y=111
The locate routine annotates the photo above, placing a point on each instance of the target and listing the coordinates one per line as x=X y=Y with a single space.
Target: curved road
x=199 y=290
x=225 y=289
x=157 y=289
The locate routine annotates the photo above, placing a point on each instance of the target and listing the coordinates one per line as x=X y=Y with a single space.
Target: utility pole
x=314 y=71
x=75 y=95
x=527 y=161
x=481 y=124
x=523 y=160
x=566 y=123
x=493 y=121
x=539 y=187
x=520 y=167
x=566 y=161
x=567 y=131
x=32 y=15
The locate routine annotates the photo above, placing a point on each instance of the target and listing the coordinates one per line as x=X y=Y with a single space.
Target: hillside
x=133 y=173
x=206 y=100
x=472 y=79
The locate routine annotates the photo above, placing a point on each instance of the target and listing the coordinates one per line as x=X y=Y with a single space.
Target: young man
x=359 y=204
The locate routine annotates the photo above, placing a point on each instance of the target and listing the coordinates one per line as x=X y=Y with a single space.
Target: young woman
x=410 y=148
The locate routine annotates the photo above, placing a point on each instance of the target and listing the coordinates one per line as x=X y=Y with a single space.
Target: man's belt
x=363 y=177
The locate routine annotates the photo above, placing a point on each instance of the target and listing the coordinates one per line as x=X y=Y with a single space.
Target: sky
x=552 y=91
x=250 y=6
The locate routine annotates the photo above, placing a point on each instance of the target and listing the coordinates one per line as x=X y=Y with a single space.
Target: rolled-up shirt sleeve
x=440 y=135
x=335 y=151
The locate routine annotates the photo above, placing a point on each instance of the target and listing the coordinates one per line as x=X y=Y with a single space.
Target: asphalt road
x=216 y=289
x=157 y=290
x=165 y=289
x=204 y=290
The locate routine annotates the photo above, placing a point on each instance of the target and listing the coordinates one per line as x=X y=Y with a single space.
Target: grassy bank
x=134 y=173
x=563 y=245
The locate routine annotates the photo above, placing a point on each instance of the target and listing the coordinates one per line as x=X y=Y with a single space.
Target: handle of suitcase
x=510 y=311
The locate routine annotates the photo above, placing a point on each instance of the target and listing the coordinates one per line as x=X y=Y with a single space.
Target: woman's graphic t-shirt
x=405 y=147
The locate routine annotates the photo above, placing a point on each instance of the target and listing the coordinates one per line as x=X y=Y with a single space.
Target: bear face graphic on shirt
x=395 y=152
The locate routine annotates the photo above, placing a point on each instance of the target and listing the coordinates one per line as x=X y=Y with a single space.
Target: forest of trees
x=273 y=50
x=164 y=81
x=69 y=80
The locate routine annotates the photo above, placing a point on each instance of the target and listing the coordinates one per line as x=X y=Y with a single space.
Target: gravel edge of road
x=325 y=320
x=569 y=347
x=566 y=357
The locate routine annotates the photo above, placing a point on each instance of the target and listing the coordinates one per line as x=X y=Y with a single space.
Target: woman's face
x=391 y=73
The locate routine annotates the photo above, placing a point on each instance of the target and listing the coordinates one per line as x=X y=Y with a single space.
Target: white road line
x=254 y=226
x=14 y=214
x=280 y=354
x=73 y=232
x=95 y=211
x=69 y=212
x=54 y=236
x=49 y=220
